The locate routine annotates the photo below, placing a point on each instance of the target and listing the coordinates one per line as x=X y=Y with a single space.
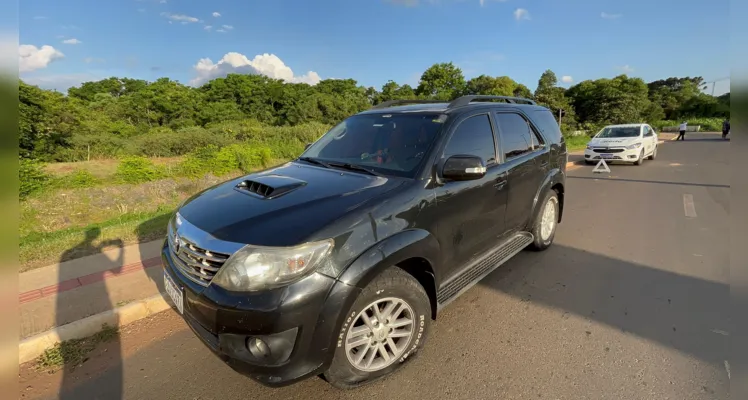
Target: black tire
x=654 y=154
x=588 y=162
x=392 y=283
x=640 y=161
x=539 y=243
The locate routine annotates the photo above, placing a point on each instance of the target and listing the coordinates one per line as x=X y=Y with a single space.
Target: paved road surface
x=630 y=303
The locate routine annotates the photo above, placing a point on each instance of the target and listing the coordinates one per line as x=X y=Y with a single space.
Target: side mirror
x=308 y=145
x=463 y=168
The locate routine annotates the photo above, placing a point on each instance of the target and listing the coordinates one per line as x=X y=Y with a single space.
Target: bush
x=79 y=179
x=167 y=143
x=32 y=177
x=138 y=170
x=211 y=159
x=707 y=124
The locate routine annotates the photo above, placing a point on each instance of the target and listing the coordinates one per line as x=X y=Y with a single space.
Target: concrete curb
x=34 y=346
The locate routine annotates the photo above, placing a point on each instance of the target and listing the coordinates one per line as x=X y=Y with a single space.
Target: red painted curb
x=71 y=284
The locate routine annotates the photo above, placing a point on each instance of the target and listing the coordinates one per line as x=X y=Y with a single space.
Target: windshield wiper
x=315 y=161
x=356 y=167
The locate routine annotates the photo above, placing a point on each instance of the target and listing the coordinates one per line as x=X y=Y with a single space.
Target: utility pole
x=714 y=83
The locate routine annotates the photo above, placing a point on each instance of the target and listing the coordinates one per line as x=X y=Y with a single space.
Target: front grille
x=607 y=150
x=197 y=264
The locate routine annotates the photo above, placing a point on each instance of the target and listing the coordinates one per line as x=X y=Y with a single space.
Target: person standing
x=725 y=128
x=682 y=128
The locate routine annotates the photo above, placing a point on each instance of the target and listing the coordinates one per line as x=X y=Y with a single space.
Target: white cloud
x=208 y=27
x=610 y=16
x=483 y=2
x=180 y=17
x=521 y=13
x=216 y=14
x=228 y=27
x=72 y=41
x=627 y=69
x=264 y=64
x=567 y=79
x=32 y=57
x=142 y=10
x=221 y=30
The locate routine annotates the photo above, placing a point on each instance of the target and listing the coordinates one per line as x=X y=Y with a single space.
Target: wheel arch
x=555 y=181
x=415 y=251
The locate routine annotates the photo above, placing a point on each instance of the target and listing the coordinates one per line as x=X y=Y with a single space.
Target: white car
x=624 y=143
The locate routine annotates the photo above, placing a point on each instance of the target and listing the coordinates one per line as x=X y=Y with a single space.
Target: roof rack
x=465 y=100
x=390 y=103
x=459 y=102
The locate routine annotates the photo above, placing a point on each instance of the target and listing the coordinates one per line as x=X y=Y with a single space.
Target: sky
x=64 y=43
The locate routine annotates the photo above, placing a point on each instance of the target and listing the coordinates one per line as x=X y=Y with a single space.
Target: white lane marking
x=688 y=206
x=727 y=367
x=721 y=332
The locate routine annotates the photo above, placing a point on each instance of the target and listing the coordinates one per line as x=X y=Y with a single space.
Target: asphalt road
x=630 y=303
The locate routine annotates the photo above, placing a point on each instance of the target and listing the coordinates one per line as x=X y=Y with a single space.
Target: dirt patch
x=35 y=383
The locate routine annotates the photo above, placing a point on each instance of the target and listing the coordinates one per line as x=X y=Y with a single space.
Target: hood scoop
x=269 y=186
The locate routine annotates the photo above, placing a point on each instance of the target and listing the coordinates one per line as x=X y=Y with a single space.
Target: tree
x=611 y=101
x=554 y=97
x=487 y=85
x=443 y=81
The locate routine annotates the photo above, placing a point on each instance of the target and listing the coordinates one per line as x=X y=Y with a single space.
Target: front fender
x=553 y=177
x=390 y=251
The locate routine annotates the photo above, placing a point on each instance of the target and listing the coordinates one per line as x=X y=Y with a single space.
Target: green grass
x=74 y=352
x=38 y=249
x=576 y=143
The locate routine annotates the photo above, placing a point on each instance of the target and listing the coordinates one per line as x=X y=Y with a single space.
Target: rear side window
x=546 y=122
x=473 y=136
x=517 y=138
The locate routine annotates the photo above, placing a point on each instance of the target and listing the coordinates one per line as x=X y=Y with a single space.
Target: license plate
x=174 y=292
x=607 y=156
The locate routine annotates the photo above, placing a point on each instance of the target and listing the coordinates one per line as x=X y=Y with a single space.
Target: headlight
x=258 y=267
x=634 y=146
x=589 y=147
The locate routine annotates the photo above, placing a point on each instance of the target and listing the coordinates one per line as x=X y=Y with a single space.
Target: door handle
x=500 y=184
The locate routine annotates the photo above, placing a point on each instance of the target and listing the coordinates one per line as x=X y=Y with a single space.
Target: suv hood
x=613 y=142
x=282 y=206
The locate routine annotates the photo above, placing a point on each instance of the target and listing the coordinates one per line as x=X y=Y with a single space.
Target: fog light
x=258 y=347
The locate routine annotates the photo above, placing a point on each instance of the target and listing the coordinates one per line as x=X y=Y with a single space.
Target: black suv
x=335 y=263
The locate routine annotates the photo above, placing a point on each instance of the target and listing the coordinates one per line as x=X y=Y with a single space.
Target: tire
x=542 y=240
x=640 y=161
x=654 y=154
x=588 y=162
x=393 y=284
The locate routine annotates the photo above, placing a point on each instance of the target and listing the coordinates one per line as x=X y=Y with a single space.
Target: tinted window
x=388 y=143
x=516 y=136
x=473 y=136
x=546 y=122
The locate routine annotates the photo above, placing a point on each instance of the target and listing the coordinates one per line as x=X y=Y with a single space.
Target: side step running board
x=478 y=270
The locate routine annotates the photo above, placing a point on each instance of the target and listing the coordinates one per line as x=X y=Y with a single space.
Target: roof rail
x=390 y=103
x=465 y=100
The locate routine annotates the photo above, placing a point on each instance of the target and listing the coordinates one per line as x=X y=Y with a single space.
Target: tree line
x=112 y=114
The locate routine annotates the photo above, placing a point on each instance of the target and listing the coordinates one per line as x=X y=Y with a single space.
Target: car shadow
x=676 y=311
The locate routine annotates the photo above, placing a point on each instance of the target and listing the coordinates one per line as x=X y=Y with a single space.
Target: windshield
x=391 y=144
x=619 y=132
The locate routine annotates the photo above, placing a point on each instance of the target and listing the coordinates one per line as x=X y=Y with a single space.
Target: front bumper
x=614 y=154
x=297 y=324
